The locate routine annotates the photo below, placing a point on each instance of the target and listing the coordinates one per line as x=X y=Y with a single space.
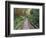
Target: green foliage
x=34 y=17
x=18 y=20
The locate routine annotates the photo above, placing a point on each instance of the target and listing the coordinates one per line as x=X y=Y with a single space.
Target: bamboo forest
x=26 y=18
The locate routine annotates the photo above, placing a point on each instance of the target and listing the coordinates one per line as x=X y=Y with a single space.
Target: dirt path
x=27 y=25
